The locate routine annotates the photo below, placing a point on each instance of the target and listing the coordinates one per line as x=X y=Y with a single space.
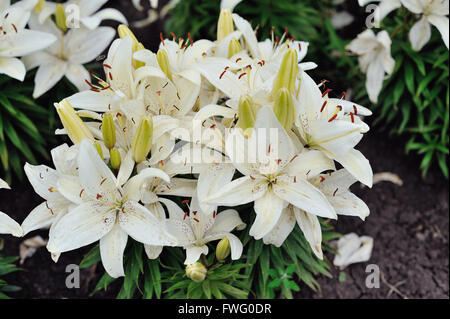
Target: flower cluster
x=164 y=139
x=374 y=51
x=60 y=39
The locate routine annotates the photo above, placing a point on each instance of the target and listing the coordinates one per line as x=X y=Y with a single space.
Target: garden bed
x=409 y=224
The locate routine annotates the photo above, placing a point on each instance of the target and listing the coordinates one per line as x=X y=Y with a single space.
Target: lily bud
x=39 y=6
x=115 y=158
x=143 y=139
x=163 y=61
x=98 y=147
x=196 y=271
x=75 y=127
x=247 y=112
x=234 y=47
x=284 y=108
x=108 y=131
x=223 y=249
x=287 y=74
x=60 y=17
x=124 y=32
x=225 y=24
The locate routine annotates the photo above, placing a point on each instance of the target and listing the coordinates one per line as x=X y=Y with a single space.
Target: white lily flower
x=333 y=127
x=274 y=178
x=67 y=56
x=106 y=212
x=196 y=228
x=45 y=183
x=335 y=187
x=353 y=249
x=7 y=224
x=375 y=59
x=433 y=12
x=88 y=14
x=384 y=7
x=16 y=41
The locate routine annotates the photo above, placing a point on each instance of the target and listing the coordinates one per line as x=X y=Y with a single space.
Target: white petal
x=153 y=252
x=9 y=226
x=92 y=101
x=12 y=67
x=77 y=74
x=268 y=210
x=227 y=221
x=193 y=253
x=26 y=42
x=132 y=187
x=357 y=165
x=310 y=226
x=420 y=34
x=112 y=246
x=47 y=76
x=353 y=249
x=415 y=6
x=245 y=27
x=282 y=229
x=143 y=226
x=441 y=23
x=309 y=164
x=80 y=227
x=85 y=45
x=39 y=217
x=305 y=196
x=240 y=191
x=94 y=21
x=349 y=204
x=126 y=168
x=375 y=78
x=43 y=179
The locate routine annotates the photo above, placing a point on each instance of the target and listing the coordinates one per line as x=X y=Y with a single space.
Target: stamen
x=352 y=117
x=354 y=108
x=214 y=214
x=323 y=106
x=220 y=77
x=99 y=196
x=185 y=215
x=196 y=220
x=293 y=158
x=238 y=59
x=173 y=36
x=335 y=192
x=240 y=76
x=103 y=180
x=186 y=201
x=162 y=38
x=326 y=92
x=332 y=118
x=81 y=193
x=107 y=66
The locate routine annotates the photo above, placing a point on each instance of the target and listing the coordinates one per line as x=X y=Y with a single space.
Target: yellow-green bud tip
x=75 y=127
x=115 y=158
x=284 y=108
x=223 y=249
x=196 y=271
x=288 y=72
x=143 y=139
x=163 y=62
x=98 y=147
x=108 y=131
x=234 y=48
x=225 y=24
x=60 y=17
x=247 y=112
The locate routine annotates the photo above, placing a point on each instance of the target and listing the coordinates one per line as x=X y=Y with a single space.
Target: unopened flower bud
x=60 y=17
x=284 y=108
x=247 y=112
x=223 y=249
x=98 y=147
x=287 y=74
x=163 y=61
x=39 y=6
x=196 y=271
x=75 y=127
x=234 y=47
x=225 y=24
x=124 y=32
x=108 y=131
x=115 y=159
x=143 y=139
